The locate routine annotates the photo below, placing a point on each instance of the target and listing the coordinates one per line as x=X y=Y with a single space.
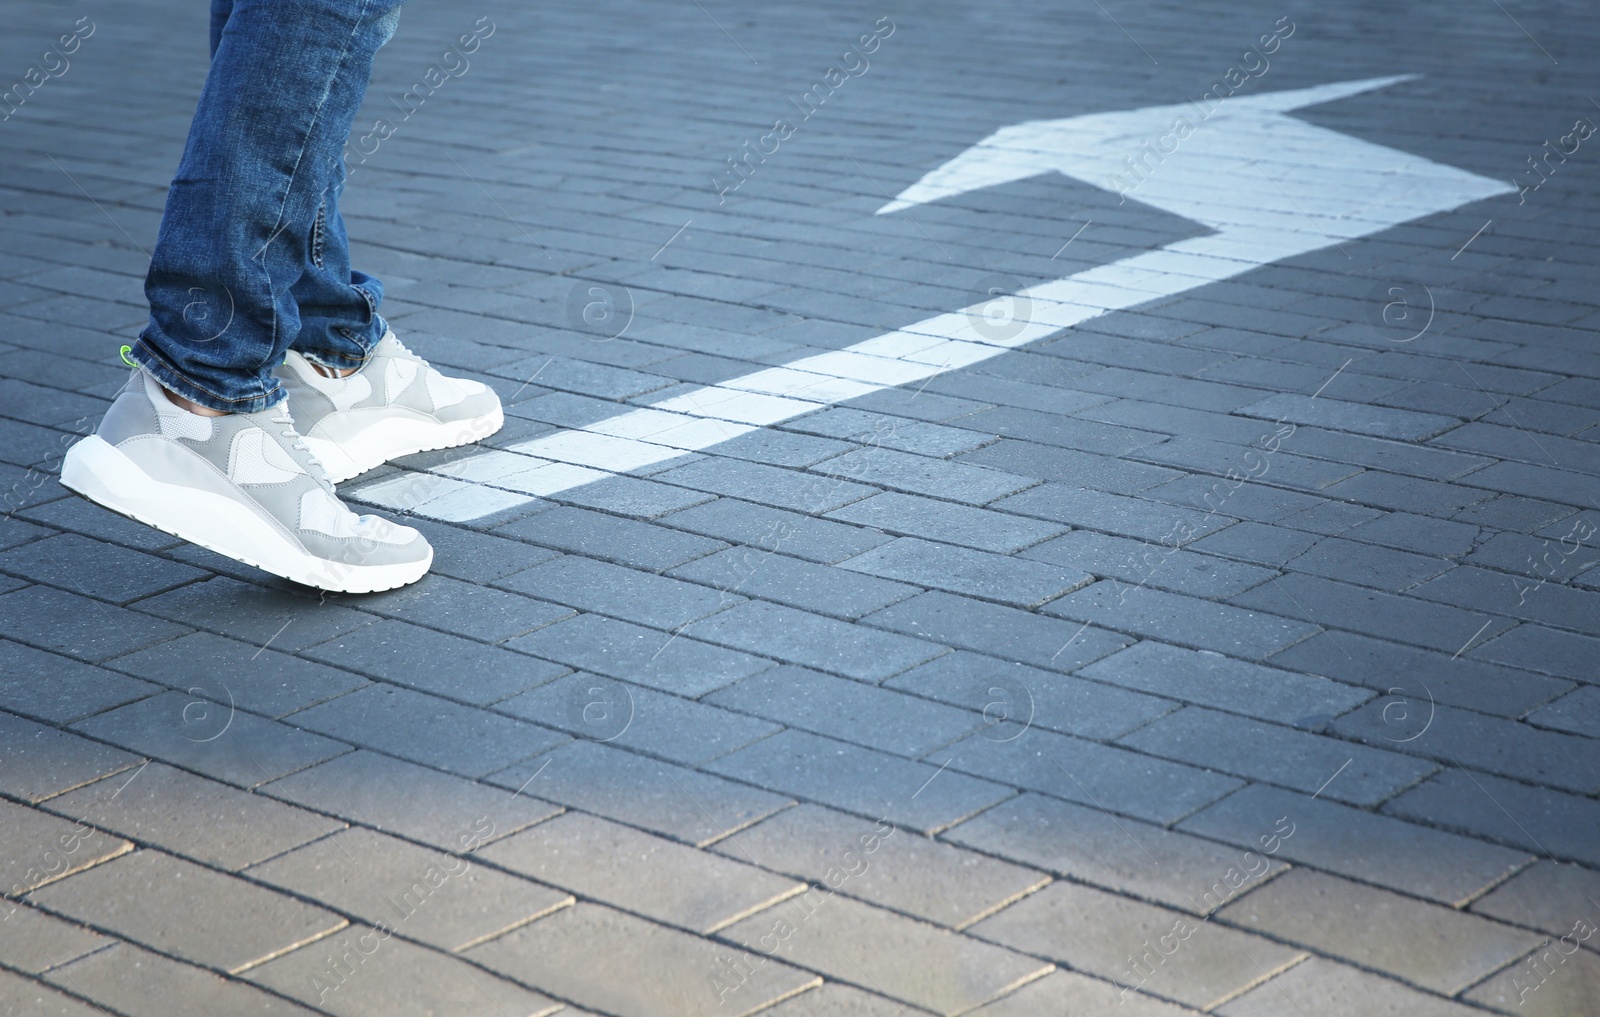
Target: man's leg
x=339 y=320
x=286 y=79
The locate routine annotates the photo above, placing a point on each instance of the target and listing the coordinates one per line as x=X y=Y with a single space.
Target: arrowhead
x=1089 y=147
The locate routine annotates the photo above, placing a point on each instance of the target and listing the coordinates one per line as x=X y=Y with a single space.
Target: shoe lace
x=320 y=473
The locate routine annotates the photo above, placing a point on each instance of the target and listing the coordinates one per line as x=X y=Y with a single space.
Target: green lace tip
x=127 y=359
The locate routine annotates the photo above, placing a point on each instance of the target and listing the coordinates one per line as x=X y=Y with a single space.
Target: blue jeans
x=252 y=258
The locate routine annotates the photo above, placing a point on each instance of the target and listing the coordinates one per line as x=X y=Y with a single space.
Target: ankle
x=332 y=372
x=191 y=406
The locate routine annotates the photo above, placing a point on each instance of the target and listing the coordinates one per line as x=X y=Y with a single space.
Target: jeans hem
x=151 y=360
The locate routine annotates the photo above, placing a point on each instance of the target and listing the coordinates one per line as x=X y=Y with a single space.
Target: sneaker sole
x=95 y=469
x=392 y=437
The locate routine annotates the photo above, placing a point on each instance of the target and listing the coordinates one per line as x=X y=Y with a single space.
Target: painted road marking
x=1330 y=187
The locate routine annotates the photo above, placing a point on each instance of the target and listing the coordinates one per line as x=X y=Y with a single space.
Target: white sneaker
x=396 y=405
x=243 y=485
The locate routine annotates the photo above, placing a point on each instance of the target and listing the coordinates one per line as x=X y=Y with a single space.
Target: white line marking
x=1345 y=187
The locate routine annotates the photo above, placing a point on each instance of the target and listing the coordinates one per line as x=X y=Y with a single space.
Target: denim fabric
x=252 y=258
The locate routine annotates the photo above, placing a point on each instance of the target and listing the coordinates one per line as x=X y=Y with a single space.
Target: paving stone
x=1137 y=859
x=37 y=849
x=860 y=780
x=1480 y=590
x=1013 y=697
x=1208 y=963
x=365 y=971
x=670 y=662
x=1106 y=776
x=1427 y=945
x=1112 y=474
x=1226 y=469
x=959 y=482
x=1367 y=846
x=878 y=863
x=1164 y=566
x=793 y=582
x=1324 y=988
x=1336 y=415
x=1280 y=755
x=894 y=955
x=1256 y=542
x=776 y=529
x=694 y=807
x=413 y=801
x=95 y=568
x=184 y=910
x=1536 y=558
x=1419 y=534
x=434 y=662
x=1003 y=632
x=255 y=614
x=1553 y=898
x=1014 y=581
x=35 y=941
x=14 y=531
x=259 y=680
x=1513 y=512
x=768 y=485
x=444 y=901
x=668 y=973
x=78 y=626
x=634 y=496
x=1490 y=744
x=648 y=875
x=37 y=762
x=1067 y=992
x=1367 y=565
x=629 y=594
x=466 y=609
x=212 y=737
x=427 y=730
x=1086 y=435
x=144 y=984
x=1546 y=984
x=1210 y=679
x=1400 y=670
x=610 y=538
x=1577 y=712
x=637 y=718
x=848 y=710
x=1543 y=649
x=1331 y=517
x=946 y=521
x=79 y=515
x=1385 y=615
x=890 y=432
x=191 y=816
x=69 y=691
x=22 y=995
x=835 y=1000
x=1173 y=617
x=1111 y=513
x=814 y=641
x=1538 y=819
x=476 y=557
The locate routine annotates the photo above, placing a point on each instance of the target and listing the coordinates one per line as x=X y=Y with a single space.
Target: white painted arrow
x=1269 y=187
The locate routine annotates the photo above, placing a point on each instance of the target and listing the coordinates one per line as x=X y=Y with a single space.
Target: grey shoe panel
x=131 y=413
x=480 y=404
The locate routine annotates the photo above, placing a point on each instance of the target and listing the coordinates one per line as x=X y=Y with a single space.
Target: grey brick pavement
x=992 y=693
